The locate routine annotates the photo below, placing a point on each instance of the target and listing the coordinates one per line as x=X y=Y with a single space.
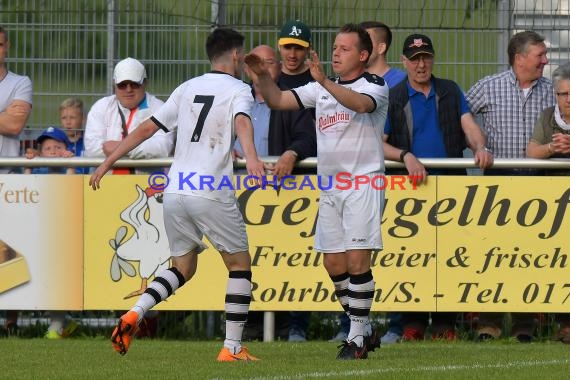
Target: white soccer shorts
x=188 y=218
x=349 y=219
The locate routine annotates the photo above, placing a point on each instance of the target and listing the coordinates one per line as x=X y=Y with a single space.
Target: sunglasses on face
x=124 y=85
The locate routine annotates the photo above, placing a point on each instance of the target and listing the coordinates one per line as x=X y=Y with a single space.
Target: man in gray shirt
x=15 y=104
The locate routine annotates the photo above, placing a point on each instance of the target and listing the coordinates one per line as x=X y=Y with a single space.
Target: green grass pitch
x=93 y=358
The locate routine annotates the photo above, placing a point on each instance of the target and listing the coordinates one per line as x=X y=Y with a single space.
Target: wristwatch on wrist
x=403 y=154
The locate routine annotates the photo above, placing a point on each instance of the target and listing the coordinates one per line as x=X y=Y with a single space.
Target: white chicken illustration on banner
x=147 y=244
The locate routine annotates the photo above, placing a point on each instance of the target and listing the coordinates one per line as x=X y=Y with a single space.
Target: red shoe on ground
x=411 y=334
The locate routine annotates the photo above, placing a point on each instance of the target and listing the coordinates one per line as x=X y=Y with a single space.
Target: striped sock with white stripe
x=341 y=282
x=238 y=298
x=163 y=285
x=360 y=294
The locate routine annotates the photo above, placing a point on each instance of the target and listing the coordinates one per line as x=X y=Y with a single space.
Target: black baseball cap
x=417 y=44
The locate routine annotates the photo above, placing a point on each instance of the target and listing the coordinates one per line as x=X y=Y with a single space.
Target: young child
x=53 y=142
x=72 y=120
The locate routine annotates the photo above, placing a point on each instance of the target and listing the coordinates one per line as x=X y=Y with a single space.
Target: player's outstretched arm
x=143 y=132
x=276 y=99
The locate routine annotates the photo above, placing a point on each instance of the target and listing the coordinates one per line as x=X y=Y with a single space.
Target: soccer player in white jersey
x=350 y=116
x=207 y=111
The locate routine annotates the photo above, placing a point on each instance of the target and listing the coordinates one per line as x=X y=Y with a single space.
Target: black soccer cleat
x=372 y=341
x=350 y=351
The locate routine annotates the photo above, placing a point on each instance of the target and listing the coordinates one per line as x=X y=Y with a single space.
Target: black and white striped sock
x=341 y=282
x=238 y=298
x=360 y=294
x=163 y=285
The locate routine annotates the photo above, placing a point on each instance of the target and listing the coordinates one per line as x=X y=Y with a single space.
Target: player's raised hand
x=317 y=71
x=255 y=65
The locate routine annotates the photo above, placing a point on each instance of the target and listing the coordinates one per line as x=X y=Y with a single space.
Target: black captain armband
x=403 y=154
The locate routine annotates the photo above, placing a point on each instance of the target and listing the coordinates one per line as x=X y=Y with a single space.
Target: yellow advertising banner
x=503 y=243
x=468 y=243
x=465 y=243
x=41 y=242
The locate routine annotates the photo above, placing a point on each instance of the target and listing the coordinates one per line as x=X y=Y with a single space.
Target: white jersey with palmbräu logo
x=347 y=141
x=202 y=110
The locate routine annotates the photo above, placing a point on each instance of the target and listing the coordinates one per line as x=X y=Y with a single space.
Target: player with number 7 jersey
x=203 y=109
x=207 y=111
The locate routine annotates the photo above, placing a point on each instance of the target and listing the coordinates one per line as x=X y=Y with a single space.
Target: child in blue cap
x=53 y=142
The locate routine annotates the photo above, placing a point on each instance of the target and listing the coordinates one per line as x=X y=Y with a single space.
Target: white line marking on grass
x=443 y=368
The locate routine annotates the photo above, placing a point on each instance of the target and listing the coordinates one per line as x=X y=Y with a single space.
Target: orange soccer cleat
x=124 y=332
x=225 y=355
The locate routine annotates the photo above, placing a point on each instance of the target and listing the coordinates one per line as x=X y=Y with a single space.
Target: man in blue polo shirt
x=428 y=117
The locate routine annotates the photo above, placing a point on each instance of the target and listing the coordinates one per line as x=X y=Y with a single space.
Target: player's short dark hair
x=382 y=30
x=518 y=44
x=365 y=43
x=221 y=41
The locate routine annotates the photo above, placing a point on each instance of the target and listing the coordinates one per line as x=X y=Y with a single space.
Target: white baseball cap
x=129 y=69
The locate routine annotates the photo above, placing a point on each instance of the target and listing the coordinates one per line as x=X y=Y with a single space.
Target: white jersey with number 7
x=202 y=110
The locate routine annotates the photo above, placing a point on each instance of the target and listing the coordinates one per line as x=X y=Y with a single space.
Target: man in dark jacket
x=429 y=117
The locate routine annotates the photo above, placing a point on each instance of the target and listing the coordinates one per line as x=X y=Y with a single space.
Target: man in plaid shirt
x=509 y=104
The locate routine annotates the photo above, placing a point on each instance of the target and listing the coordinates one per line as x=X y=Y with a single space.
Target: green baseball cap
x=295 y=32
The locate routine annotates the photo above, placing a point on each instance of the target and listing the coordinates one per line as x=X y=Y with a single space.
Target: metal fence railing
x=436 y=163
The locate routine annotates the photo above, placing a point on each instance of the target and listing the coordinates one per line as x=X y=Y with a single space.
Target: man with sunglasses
x=113 y=117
